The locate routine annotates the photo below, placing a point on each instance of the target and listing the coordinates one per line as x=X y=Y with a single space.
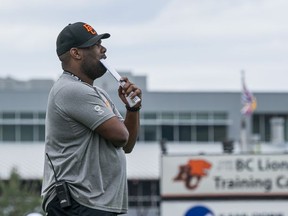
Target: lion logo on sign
x=192 y=173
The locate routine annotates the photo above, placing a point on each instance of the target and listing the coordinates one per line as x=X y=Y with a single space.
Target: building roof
x=143 y=163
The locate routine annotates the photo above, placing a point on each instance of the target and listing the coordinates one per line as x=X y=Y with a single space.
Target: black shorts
x=54 y=209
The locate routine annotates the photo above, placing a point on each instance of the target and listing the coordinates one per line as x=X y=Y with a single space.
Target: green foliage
x=17 y=198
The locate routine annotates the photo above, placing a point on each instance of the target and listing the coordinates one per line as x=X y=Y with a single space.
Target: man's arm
x=115 y=131
x=132 y=119
x=132 y=123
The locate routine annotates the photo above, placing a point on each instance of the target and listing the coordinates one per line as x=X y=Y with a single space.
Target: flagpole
x=243 y=133
x=249 y=105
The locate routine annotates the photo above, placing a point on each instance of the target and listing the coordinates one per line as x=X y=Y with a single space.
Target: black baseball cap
x=79 y=35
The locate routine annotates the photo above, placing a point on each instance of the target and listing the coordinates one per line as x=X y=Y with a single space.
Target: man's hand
x=126 y=90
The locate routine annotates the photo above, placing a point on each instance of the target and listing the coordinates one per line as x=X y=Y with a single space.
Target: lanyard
x=73 y=75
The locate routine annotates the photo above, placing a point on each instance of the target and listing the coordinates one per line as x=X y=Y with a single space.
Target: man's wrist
x=133 y=109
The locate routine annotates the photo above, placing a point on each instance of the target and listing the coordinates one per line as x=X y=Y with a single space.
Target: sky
x=180 y=45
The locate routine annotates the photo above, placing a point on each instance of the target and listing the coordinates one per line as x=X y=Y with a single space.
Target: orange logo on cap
x=90 y=29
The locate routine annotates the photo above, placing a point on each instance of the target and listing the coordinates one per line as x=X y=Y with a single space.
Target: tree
x=18 y=198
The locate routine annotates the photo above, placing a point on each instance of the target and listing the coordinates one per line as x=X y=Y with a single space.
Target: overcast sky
x=179 y=44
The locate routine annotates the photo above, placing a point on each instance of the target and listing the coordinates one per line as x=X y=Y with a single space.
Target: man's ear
x=74 y=52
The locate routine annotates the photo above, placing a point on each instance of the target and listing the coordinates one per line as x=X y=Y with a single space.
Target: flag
x=248 y=100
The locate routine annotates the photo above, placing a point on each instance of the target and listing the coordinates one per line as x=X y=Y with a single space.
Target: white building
x=189 y=122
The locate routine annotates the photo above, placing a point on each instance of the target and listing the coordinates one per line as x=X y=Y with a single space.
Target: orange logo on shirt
x=90 y=29
x=108 y=104
x=194 y=169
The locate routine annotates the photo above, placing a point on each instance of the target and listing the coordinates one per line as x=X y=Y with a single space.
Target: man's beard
x=92 y=70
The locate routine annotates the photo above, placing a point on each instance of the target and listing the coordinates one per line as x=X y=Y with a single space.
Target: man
x=86 y=137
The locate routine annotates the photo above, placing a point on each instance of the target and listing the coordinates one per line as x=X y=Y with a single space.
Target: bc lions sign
x=186 y=177
x=224 y=175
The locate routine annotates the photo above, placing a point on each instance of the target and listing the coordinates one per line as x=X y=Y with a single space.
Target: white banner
x=225 y=208
x=224 y=175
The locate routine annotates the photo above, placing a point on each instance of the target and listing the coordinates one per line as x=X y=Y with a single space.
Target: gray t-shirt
x=92 y=166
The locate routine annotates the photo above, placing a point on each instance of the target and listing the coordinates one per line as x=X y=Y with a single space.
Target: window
x=41 y=132
x=167 y=132
x=286 y=128
x=202 y=116
x=219 y=116
x=167 y=115
x=185 y=116
x=184 y=126
x=144 y=193
x=26 y=133
x=202 y=133
x=41 y=115
x=9 y=132
x=26 y=115
x=261 y=125
x=256 y=124
x=219 y=133
x=8 y=115
x=150 y=133
x=267 y=135
x=150 y=116
x=185 y=133
x=22 y=126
